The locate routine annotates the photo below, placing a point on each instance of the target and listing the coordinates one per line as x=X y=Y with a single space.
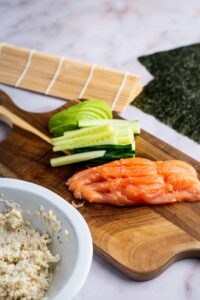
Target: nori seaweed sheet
x=173 y=96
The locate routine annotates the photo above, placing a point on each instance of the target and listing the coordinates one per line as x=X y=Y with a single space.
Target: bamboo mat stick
x=65 y=78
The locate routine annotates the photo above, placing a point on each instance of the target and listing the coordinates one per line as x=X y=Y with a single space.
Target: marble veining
x=113 y=34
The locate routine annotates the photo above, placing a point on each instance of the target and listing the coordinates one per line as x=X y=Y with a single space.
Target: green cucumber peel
x=135 y=125
x=108 y=148
x=88 y=131
x=75 y=158
x=104 y=132
x=98 y=139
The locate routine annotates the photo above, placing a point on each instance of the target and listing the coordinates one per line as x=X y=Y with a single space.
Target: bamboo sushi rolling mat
x=65 y=78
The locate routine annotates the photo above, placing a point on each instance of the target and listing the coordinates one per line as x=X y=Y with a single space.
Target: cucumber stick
x=122 y=131
x=85 y=141
x=113 y=152
x=109 y=140
x=88 y=131
x=123 y=135
x=75 y=158
x=124 y=140
x=108 y=148
x=135 y=125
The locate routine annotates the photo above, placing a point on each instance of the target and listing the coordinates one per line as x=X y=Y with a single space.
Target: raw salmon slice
x=135 y=181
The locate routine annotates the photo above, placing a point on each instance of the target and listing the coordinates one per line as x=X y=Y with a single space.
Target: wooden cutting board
x=139 y=241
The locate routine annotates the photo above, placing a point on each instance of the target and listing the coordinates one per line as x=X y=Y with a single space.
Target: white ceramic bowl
x=76 y=253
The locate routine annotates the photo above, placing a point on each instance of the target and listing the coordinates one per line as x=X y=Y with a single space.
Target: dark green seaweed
x=173 y=96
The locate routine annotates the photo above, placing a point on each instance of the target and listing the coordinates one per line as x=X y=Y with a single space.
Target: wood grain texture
x=140 y=241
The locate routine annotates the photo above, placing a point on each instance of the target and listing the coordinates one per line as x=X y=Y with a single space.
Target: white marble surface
x=111 y=33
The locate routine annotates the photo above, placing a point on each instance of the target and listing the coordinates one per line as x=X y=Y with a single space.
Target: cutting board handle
x=10 y=113
x=22 y=124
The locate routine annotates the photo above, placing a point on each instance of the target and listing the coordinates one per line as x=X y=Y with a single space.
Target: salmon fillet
x=135 y=181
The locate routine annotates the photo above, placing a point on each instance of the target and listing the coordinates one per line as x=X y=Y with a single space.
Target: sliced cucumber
x=113 y=152
x=135 y=125
x=99 y=135
x=124 y=140
x=124 y=135
x=81 y=132
x=121 y=131
x=98 y=139
x=110 y=148
x=75 y=158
